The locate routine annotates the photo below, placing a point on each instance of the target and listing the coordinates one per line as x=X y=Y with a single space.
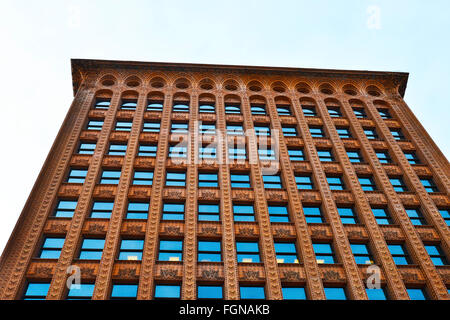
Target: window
x=266 y=154
x=429 y=185
x=243 y=213
x=147 y=150
x=232 y=109
x=335 y=112
x=51 y=248
x=412 y=157
x=289 y=131
x=284 y=110
x=335 y=293
x=209 y=180
x=206 y=108
x=209 y=292
x=313 y=214
x=110 y=177
x=177 y=179
x=131 y=249
x=262 y=130
x=124 y=291
x=235 y=130
x=102 y=104
x=92 y=249
x=382 y=216
x=173 y=211
x=164 y=291
x=209 y=251
x=371 y=134
x=416 y=294
x=155 y=106
x=258 y=109
x=325 y=155
x=237 y=153
x=240 y=180
x=304 y=182
x=348 y=215
x=137 y=210
x=180 y=107
x=437 y=255
x=445 y=213
x=143 y=178
x=178 y=151
x=360 y=113
x=179 y=128
x=77 y=175
x=65 y=208
x=361 y=253
x=384 y=157
x=102 y=209
x=117 y=149
x=296 y=155
x=252 y=292
x=355 y=156
x=86 y=148
x=376 y=294
x=317 y=132
x=416 y=217
x=367 y=183
x=151 y=126
x=286 y=252
x=272 y=182
x=336 y=183
x=309 y=111
x=36 y=291
x=128 y=104
x=293 y=293
x=207 y=152
x=397 y=134
x=398 y=184
x=207 y=128
x=399 y=254
x=170 y=250
x=94 y=125
x=123 y=125
x=247 y=251
x=82 y=292
x=384 y=113
x=208 y=212
x=324 y=253
x=278 y=213
x=344 y=133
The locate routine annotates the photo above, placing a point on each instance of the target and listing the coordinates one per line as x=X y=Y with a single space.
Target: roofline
x=92 y=64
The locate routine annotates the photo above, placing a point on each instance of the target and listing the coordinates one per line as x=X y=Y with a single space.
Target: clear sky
x=38 y=39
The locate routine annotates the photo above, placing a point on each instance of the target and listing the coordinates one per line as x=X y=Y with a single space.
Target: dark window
x=209 y=292
x=316 y=132
x=324 y=253
x=348 y=215
x=147 y=150
x=332 y=293
x=382 y=216
x=247 y=251
x=240 y=180
x=123 y=125
x=371 y=133
x=304 y=182
x=284 y=110
x=412 y=157
x=206 y=108
x=173 y=211
x=278 y=213
x=384 y=157
x=272 y=182
x=258 y=109
x=397 y=134
x=309 y=111
x=165 y=291
x=355 y=156
x=367 y=183
x=143 y=178
x=334 y=112
x=94 y=125
x=398 y=184
x=77 y=175
x=209 y=251
x=128 y=104
x=416 y=217
x=110 y=177
x=86 y=148
x=293 y=293
x=131 y=249
x=102 y=104
x=336 y=183
x=344 y=133
x=65 y=208
x=313 y=214
x=399 y=254
x=124 y=291
x=252 y=292
x=170 y=250
x=92 y=249
x=102 y=209
x=286 y=252
x=117 y=149
x=289 y=131
x=208 y=212
x=429 y=185
x=208 y=180
x=437 y=255
x=51 y=248
x=155 y=106
x=325 y=155
x=180 y=107
x=82 y=292
x=243 y=213
x=36 y=291
x=151 y=126
x=232 y=109
x=177 y=179
x=137 y=210
x=296 y=155
x=361 y=253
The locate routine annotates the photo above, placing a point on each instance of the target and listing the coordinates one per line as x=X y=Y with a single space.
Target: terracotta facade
x=243 y=86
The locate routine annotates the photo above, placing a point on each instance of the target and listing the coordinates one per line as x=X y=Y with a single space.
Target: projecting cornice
x=81 y=66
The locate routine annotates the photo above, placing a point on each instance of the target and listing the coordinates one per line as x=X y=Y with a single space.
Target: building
x=351 y=192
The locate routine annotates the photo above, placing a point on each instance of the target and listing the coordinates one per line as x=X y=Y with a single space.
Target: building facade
x=207 y=181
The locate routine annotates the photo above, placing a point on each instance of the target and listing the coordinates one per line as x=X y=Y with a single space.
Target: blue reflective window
x=123 y=125
x=77 y=175
x=92 y=249
x=266 y=154
x=232 y=109
x=290 y=131
x=36 y=291
x=235 y=130
x=155 y=106
x=102 y=104
x=137 y=210
x=371 y=134
x=258 y=109
x=131 y=249
x=262 y=130
x=83 y=291
x=65 y=208
x=293 y=293
x=102 y=209
x=208 y=212
x=147 y=150
x=207 y=128
x=286 y=252
x=429 y=185
x=399 y=254
x=207 y=153
x=117 y=149
x=240 y=180
x=151 y=126
x=336 y=183
x=360 y=113
x=313 y=214
x=51 y=248
x=397 y=134
x=284 y=110
x=247 y=251
x=179 y=128
x=304 y=182
x=208 y=180
x=170 y=250
x=278 y=213
x=252 y=292
x=129 y=104
x=334 y=112
x=325 y=155
x=110 y=177
x=95 y=125
x=445 y=213
x=412 y=157
x=344 y=133
x=296 y=155
x=324 y=253
x=209 y=292
x=143 y=178
x=237 y=153
x=86 y=148
x=416 y=294
x=348 y=215
x=398 y=184
x=309 y=111
x=163 y=291
x=180 y=107
x=209 y=251
x=316 y=132
x=416 y=217
x=272 y=182
x=367 y=184
x=244 y=213
x=361 y=253
x=376 y=294
x=384 y=157
x=384 y=113
x=335 y=293
x=206 y=108
x=178 y=151
x=177 y=179
x=124 y=291
x=437 y=255
x=382 y=216
x=173 y=211
x=355 y=156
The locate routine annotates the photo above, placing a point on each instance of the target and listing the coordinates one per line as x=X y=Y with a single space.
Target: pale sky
x=38 y=39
